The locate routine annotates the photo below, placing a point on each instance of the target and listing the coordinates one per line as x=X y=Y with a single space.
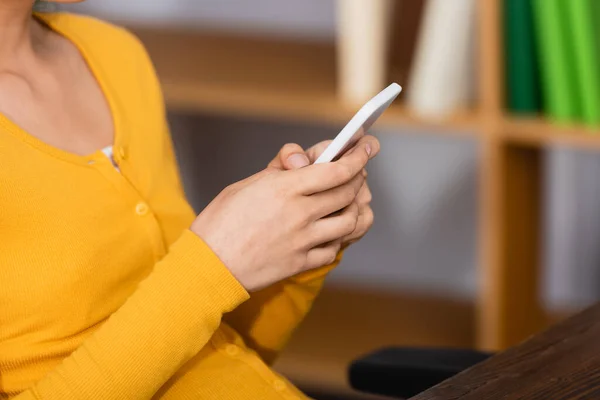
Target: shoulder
x=94 y=33
x=114 y=49
x=117 y=52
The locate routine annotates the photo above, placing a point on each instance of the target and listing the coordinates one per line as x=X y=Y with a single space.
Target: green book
x=596 y=24
x=587 y=73
x=522 y=74
x=556 y=61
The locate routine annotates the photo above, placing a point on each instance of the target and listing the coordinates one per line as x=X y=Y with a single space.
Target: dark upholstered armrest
x=404 y=372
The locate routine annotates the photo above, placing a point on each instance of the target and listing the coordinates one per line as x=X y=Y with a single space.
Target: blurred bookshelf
x=232 y=75
x=287 y=80
x=267 y=78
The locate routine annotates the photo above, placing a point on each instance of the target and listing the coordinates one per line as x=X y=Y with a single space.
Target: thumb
x=296 y=161
x=291 y=156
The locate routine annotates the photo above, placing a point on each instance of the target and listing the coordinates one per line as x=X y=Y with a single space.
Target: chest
x=61 y=105
x=85 y=232
x=77 y=228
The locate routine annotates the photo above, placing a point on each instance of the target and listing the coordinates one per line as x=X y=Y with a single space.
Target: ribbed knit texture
x=105 y=292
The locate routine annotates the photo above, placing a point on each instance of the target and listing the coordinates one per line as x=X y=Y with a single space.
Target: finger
x=364 y=223
x=315 y=151
x=371 y=140
x=320 y=177
x=291 y=156
x=322 y=255
x=364 y=196
x=333 y=200
x=332 y=228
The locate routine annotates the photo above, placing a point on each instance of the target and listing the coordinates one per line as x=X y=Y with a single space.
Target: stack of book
x=552 y=55
x=442 y=75
x=362 y=36
x=428 y=47
x=552 y=59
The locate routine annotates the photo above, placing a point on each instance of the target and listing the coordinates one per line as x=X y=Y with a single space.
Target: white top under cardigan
x=108 y=151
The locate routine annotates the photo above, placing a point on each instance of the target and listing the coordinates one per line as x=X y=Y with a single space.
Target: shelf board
x=262 y=77
x=539 y=132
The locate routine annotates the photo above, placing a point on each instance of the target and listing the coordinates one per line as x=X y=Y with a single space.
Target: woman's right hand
x=271 y=225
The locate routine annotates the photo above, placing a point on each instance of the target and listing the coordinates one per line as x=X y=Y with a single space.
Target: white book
x=362 y=47
x=442 y=75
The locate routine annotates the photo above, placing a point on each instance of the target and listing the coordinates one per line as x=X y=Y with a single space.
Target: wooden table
x=560 y=363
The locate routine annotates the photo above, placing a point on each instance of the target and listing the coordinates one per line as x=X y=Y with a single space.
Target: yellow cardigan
x=105 y=293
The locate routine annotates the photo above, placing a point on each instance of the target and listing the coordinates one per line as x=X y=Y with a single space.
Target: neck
x=19 y=32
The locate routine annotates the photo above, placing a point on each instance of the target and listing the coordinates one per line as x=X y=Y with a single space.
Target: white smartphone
x=360 y=123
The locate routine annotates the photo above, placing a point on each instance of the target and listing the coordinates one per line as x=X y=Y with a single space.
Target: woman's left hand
x=293 y=156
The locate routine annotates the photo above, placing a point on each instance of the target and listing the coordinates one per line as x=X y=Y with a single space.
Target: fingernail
x=298 y=160
x=368 y=149
x=364 y=173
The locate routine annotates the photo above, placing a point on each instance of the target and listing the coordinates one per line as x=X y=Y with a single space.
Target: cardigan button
x=279 y=385
x=122 y=153
x=232 y=350
x=141 y=209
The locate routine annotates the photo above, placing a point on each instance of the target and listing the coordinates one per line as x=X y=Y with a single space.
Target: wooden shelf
x=265 y=78
x=539 y=132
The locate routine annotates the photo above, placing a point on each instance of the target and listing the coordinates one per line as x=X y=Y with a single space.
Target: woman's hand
x=292 y=156
x=271 y=225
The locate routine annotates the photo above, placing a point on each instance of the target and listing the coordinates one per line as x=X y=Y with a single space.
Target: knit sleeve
x=270 y=317
x=167 y=320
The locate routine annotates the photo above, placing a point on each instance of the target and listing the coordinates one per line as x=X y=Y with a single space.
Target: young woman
x=111 y=287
